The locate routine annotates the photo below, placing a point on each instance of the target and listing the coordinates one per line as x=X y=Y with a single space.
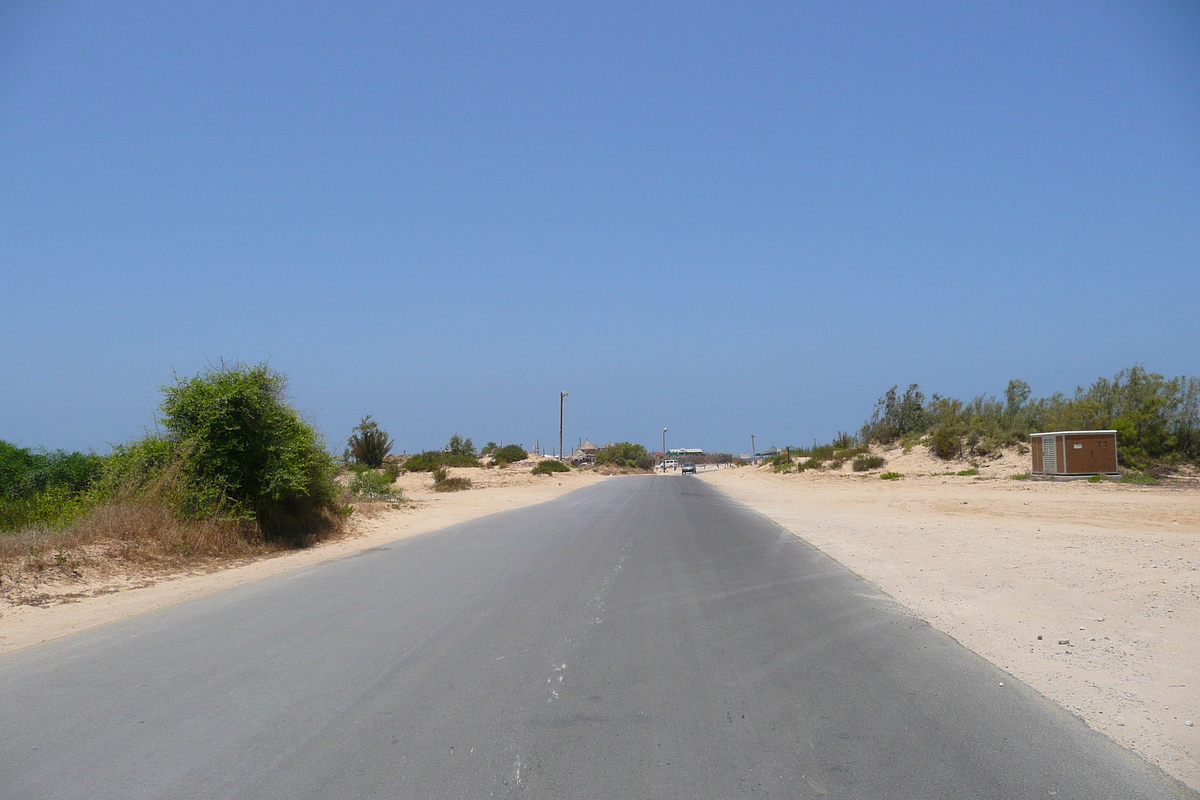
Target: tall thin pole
x=561 y=396
x=664 y=449
x=752 y=453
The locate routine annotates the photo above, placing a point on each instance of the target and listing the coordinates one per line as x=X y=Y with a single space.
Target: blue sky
x=721 y=218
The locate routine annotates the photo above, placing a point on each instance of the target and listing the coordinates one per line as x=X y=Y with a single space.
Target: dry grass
x=129 y=541
x=452 y=485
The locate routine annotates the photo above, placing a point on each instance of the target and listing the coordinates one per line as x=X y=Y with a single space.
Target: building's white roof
x=1058 y=433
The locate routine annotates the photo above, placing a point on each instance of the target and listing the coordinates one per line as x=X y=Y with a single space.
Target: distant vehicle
x=689 y=467
x=670 y=463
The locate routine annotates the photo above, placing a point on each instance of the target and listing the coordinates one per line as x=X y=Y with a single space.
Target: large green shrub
x=549 y=466
x=421 y=462
x=245 y=453
x=510 y=454
x=625 y=454
x=369 y=444
x=945 y=443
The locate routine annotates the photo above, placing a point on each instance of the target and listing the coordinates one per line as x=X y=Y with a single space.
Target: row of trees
x=1157 y=419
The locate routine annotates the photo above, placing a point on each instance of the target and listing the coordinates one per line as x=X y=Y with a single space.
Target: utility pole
x=561 y=396
x=664 y=449
x=752 y=452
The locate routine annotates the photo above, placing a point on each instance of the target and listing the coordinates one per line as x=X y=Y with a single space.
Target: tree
x=460 y=447
x=896 y=416
x=369 y=444
x=624 y=454
x=244 y=452
x=1016 y=395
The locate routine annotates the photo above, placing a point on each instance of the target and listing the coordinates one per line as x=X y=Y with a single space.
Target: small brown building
x=1074 y=452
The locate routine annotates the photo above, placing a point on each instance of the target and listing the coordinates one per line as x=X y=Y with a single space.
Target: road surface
x=639 y=638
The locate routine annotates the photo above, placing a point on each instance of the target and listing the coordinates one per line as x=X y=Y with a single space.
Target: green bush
x=372 y=485
x=1138 y=477
x=1097 y=478
x=1020 y=476
x=432 y=459
x=421 y=462
x=369 y=444
x=865 y=462
x=135 y=468
x=625 y=454
x=964 y=473
x=245 y=453
x=549 y=466
x=44 y=488
x=892 y=476
x=53 y=507
x=822 y=452
x=945 y=444
x=24 y=472
x=510 y=454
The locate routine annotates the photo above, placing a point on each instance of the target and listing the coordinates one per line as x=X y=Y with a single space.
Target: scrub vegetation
x=1157 y=419
x=549 y=466
x=625 y=454
x=509 y=454
x=442 y=482
x=459 y=452
x=369 y=484
x=232 y=469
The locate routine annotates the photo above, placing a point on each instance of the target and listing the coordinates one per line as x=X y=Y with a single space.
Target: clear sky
x=720 y=218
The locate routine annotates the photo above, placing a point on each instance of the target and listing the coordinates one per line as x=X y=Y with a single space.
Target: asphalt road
x=639 y=638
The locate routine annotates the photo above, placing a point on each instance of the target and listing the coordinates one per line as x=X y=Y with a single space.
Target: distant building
x=584 y=454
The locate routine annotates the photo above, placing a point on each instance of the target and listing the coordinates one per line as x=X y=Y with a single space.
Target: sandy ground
x=1089 y=592
x=74 y=606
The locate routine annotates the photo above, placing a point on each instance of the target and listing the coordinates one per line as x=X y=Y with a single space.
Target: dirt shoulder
x=1089 y=592
x=70 y=602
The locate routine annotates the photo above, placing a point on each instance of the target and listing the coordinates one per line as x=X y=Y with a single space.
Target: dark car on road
x=689 y=467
